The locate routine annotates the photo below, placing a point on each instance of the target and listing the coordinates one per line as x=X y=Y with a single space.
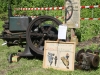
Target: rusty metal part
x=38 y=33
x=78 y=55
x=96 y=52
x=94 y=59
x=88 y=50
x=77 y=65
x=85 y=64
x=86 y=60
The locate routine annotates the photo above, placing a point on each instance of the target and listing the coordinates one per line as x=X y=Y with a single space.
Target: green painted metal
x=19 y=23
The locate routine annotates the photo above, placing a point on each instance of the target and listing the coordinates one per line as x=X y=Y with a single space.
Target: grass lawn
x=31 y=66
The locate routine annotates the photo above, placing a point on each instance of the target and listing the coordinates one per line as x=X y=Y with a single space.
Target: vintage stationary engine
x=28 y=33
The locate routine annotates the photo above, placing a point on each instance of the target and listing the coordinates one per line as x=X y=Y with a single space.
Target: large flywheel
x=40 y=29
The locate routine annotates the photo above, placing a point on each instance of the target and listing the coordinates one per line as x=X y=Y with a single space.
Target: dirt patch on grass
x=94 y=40
x=2 y=72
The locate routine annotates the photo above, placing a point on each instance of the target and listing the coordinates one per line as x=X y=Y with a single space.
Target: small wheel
x=10 y=57
x=78 y=56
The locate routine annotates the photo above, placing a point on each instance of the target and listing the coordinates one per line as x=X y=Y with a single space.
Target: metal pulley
x=46 y=30
x=78 y=56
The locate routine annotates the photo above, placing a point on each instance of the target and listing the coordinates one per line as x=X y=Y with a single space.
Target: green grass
x=31 y=67
x=1 y=23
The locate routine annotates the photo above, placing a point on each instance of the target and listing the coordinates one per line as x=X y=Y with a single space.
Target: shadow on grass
x=39 y=57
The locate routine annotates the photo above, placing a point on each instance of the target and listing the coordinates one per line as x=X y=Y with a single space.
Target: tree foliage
x=49 y=3
x=88 y=28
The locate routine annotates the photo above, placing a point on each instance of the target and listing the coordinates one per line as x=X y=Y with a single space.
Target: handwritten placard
x=59 y=56
x=72 y=13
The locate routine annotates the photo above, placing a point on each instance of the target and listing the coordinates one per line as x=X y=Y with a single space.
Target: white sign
x=72 y=13
x=62 y=30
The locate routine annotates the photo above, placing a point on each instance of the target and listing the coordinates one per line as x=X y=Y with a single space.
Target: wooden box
x=59 y=55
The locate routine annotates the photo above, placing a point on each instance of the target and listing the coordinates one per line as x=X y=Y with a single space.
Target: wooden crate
x=59 y=55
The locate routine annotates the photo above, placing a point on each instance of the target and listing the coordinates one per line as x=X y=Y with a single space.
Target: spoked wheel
x=10 y=57
x=68 y=10
x=40 y=29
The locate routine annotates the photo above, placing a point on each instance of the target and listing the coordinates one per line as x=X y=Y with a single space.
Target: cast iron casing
x=19 y=23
